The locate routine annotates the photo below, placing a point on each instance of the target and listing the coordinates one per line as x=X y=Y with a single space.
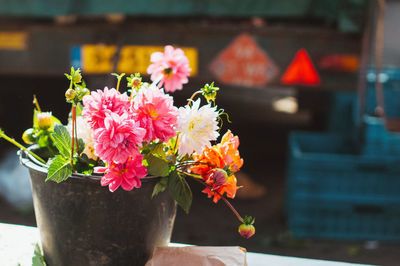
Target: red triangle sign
x=301 y=71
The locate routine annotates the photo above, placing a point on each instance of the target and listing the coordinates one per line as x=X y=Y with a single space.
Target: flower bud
x=77 y=77
x=86 y=91
x=136 y=82
x=45 y=120
x=28 y=136
x=219 y=176
x=210 y=96
x=70 y=94
x=247 y=230
x=209 y=92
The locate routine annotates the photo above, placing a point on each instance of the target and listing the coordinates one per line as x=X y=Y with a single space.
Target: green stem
x=13 y=141
x=194 y=94
x=76 y=134
x=190 y=174
x=175 y=150
x=73 y=111
x=188 y=163
x=36 y=103
x=119 y=81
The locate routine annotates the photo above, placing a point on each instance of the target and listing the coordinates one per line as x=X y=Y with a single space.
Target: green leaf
x=180 y=190
x=37 y=259
x=55 y=120
x=160 y=186
x=157 y=166
x=62 y=140
x=159 y=151
x=43 y=141
x=60 y=169
x=81 y=145
x=79 y=108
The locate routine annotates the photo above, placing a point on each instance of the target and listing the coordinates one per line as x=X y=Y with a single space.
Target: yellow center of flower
x=167 y=72
x=153 y=113
x=123 y=171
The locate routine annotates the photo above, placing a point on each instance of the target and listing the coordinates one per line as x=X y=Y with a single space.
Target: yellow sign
x=10 y=40
x=97 y=59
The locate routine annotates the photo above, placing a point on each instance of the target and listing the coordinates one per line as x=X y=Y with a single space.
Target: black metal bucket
x=82 y=223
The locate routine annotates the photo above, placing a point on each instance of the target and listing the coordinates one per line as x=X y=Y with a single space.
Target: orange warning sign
x=301 y=71
x=244 y=63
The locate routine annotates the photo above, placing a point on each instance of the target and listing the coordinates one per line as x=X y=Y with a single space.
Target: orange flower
x=214 y=162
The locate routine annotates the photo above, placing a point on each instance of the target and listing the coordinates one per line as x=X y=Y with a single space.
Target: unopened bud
x=209 y=92
x=77 y=77
x=28 y=136
x=219 y=176
x=86 y=91
x=45 y=120
x=70 y=94
x=210 y=96
x=136 y=82
x=247 y=230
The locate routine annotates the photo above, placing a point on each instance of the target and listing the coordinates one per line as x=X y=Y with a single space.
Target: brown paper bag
x=198 y=256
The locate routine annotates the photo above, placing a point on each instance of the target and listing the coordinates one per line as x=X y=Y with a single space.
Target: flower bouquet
x=125 y=138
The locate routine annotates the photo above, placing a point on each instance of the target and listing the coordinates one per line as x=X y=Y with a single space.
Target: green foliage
x=37 y=259
x=81 y=145
x=249 y=220
x=157 y=166
x=158 y=150
x=40 y=136
x=180 y=190
x=78 y=85
x=161 y=186
x=60 y=169
x=75 y=76
x=62 y=140
x=79 y=108
x=42 y=139
x=84 y=165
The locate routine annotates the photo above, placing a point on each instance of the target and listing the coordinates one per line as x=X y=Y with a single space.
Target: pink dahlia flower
x=171 y=68
x=156 y=113
x=118 y=139
x=127 y=175
x=98 y=104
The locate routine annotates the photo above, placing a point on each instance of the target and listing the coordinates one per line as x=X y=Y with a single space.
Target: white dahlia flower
x=197 y=126
x=85 y=132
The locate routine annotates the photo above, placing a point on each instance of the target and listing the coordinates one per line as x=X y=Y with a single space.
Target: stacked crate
x=345 y=184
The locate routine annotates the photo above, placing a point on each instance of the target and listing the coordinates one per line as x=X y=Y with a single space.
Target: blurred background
x=318 y=129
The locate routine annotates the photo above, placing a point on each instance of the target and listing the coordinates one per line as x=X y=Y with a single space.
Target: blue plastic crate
x=377 y=140
x=390 y=79
x=342 y=112
x=334 y=192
